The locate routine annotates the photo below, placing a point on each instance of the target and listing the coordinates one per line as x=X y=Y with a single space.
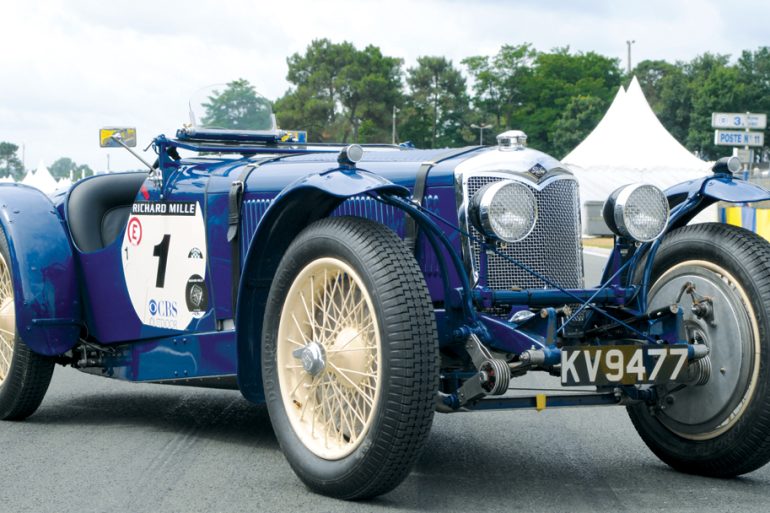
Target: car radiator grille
x=553 y=248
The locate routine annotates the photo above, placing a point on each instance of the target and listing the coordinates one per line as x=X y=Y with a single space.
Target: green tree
x=714 y=86
x=684 y=95
x=529 y=90
x=578 y=119
x=369 y=88
x=65 y=167
x=82 y=171
x=10 y=165
x=651 y=75
x=338 y=90
x=61 y=168
x=556 y=78
x=674 y=106
x=498 y=82
x=667 y=89
x=436 y=106
x=312 y=104
x=302 y=110
x=703 y=66
x=720 y=92
x=238 y=106
x=754 y=73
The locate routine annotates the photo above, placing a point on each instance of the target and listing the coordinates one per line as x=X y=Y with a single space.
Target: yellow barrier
x=754 y=219
x=733 y=215
x=763 y=223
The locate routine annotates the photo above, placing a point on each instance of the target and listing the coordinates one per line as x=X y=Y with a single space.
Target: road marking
x=597 y=252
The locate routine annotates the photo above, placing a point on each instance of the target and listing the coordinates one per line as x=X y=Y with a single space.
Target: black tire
x=720 y=428
x=377 y=439
x=24 y=374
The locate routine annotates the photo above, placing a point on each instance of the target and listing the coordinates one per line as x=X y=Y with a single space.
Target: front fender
x=47 y=303
x=710 y=189
x=297 y=206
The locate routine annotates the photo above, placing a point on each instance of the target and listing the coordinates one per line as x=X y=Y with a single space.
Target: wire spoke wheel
x=7 y=319
x=329 y=358
x=24 y=374
x=349 y=358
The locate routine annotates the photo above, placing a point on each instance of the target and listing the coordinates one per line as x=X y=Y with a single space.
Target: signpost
x=745 y=137
x=737 y=138
x=738 y=120
x=743 y=154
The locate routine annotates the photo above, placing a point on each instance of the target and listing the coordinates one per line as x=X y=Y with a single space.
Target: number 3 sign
x=164 y=263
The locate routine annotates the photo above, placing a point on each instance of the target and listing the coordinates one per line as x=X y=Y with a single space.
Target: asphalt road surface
x=98 y=445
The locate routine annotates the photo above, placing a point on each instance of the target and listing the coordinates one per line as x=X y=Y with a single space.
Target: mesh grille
x=553 y=248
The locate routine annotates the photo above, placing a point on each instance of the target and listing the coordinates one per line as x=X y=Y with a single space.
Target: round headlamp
x=727 y=165
x=637 y=211
x=504 y=210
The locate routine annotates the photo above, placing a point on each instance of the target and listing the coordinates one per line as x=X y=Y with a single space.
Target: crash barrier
x=751 y=218
x=594 y=220
x=755 y=219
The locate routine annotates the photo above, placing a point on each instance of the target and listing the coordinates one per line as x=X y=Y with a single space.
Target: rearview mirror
x=108 y=136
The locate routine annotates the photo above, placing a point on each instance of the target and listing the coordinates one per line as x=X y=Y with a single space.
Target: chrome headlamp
x=637 y=211
x=727 y=165
x=504 y=210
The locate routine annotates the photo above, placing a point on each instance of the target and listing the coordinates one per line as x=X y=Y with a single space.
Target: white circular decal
x=164 y=263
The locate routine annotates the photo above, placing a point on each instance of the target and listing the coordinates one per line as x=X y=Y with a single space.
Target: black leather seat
x=98 y=208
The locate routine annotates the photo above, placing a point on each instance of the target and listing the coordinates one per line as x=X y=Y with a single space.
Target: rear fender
x=297 y=206
x=47 y=303
x=710 y=189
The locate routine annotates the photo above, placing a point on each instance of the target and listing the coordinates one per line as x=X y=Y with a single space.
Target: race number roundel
x=164 y=263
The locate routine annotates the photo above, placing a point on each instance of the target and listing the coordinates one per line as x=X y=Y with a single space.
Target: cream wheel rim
x=329 y=358
x=7 y=319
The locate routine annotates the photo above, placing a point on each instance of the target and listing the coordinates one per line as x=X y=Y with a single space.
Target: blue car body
x=355 y=292
x=82 y=301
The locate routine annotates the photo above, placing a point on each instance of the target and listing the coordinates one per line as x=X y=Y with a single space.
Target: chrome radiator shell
x=553 y=248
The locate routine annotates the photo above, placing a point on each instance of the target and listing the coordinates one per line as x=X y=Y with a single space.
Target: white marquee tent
x=41 y=178
x=631 y=145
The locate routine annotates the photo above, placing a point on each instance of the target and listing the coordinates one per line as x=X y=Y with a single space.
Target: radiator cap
x=512 y=140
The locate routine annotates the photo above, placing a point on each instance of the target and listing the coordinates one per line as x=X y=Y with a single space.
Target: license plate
x=621 y=365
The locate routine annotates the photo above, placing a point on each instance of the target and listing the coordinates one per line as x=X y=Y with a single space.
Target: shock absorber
x=492 y=378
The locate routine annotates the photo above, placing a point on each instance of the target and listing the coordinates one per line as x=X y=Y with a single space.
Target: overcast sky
x=70 y=67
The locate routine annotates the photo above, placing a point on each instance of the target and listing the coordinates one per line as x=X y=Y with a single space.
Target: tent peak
x=630 y=136
x=634 y=90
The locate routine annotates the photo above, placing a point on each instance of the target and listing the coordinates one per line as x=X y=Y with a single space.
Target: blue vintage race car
x=356 y=291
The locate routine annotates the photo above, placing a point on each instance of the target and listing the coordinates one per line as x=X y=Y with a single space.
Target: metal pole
x=118 y=139
x=629 y=43
x=481 y=129
x=747 y=169
x=393 y=136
